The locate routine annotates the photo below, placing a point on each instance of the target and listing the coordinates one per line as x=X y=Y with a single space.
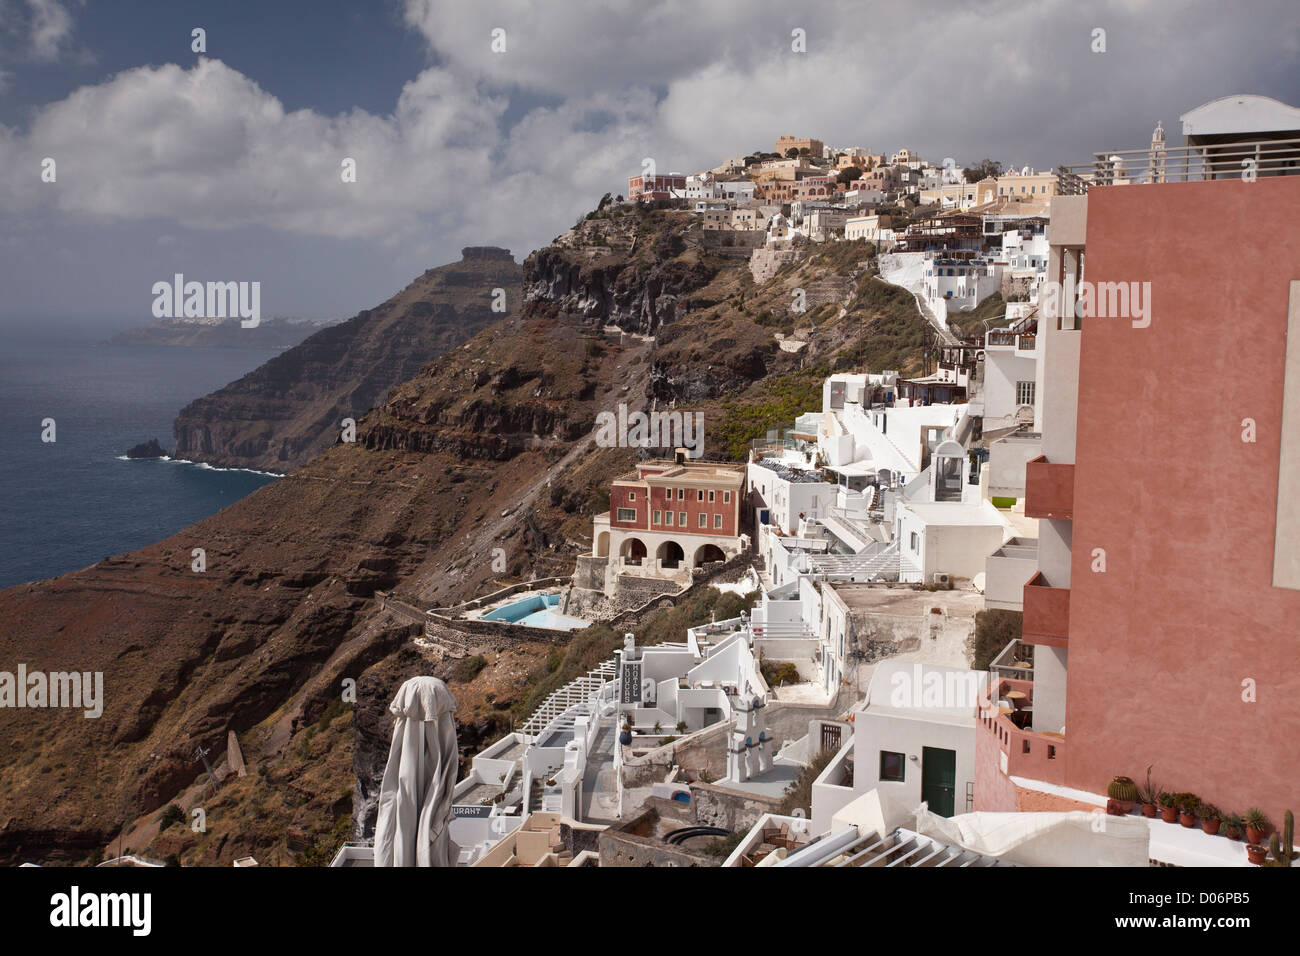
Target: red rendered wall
x=1160 y=643
x=692 y=508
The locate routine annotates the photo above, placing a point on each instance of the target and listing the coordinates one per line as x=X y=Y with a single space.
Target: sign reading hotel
x=630 y=686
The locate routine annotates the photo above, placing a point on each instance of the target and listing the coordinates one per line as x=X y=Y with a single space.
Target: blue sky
x=225 y=166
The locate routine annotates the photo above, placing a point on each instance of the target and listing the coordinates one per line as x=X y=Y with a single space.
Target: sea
x=68 y=503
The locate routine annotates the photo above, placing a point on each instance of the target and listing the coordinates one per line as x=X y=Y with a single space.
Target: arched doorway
x=632 y=550
x=670 y=555
x=707 y=553
x=602 y=545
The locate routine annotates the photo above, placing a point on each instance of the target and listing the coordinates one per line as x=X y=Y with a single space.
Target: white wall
x=876 y=732
x=1003 y=368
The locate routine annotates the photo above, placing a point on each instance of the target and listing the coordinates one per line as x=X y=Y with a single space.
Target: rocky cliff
x=489 y=446
x=290 y=408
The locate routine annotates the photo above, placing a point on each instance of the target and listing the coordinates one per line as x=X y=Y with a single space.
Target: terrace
x=1192 y=163
x=1006 y=713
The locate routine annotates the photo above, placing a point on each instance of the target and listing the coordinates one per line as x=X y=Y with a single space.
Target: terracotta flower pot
x=1115 y=808
x=1233 y=833
x=1187 y=819
x=1254 y=836
x=1210 y=826
x=1124 y=806
x=1149 y=809
x=1169 y=814
x=1255 y=853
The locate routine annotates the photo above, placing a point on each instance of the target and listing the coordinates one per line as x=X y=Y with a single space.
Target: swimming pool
x=536 y=610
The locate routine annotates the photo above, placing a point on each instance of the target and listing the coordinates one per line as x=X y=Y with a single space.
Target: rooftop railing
x=1175 y=164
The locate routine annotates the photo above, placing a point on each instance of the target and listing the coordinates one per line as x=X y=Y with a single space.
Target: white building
x=961 y=283
x=787 y=494
x=1010 y=369
x=913 y=740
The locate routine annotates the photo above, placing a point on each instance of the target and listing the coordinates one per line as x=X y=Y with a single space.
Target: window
x=681 y=518
x=916 y=543
x=726 y=497
x=668 y=517
x=681 y=495
x=1024 y=393
x=626 y=514
x=699 y=494
x=891 y=766
x=658 y=517
x=703 y=519
x=717 y=521
x=631 y=496
x=711 y=494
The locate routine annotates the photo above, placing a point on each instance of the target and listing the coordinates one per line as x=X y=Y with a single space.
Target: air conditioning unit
x=939 y=578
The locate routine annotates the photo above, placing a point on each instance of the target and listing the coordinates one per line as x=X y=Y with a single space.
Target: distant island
x=272 y=333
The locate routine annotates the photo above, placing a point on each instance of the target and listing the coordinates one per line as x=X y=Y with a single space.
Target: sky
x=226 y=164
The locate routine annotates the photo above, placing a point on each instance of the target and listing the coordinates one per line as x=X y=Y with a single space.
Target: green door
x=938 y=779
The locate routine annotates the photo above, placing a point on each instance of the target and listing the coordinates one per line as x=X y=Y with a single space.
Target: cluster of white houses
x=884 y=518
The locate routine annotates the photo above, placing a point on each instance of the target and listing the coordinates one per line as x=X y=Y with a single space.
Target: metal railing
x=1242 y=160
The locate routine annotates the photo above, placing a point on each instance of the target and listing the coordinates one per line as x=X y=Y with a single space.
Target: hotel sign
x=630 y=685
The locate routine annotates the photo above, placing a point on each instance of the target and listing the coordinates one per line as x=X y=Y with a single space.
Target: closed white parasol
x=415 y=797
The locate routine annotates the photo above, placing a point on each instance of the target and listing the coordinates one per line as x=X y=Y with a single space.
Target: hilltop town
x=896 y=574
x=789 y=510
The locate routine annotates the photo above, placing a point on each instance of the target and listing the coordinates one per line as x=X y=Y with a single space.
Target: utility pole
x=201 y=753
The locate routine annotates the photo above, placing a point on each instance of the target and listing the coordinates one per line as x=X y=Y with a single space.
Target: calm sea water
x=67 y=504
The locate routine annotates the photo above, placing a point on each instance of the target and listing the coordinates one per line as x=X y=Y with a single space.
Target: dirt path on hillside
x=493 y=530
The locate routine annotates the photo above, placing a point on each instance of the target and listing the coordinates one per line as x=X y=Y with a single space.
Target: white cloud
x=687 y=84
x=51 y=28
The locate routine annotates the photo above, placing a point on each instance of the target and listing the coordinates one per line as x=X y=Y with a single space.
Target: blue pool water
x=536 y=610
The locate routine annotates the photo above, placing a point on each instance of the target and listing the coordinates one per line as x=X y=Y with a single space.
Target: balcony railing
x=1049 y=489
x=1026 y=343
x=1026 y=752
x=1046 y=613
x=1246 y=159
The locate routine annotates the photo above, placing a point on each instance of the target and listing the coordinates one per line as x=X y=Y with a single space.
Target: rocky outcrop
x=638 y=293
x=292 y=407
x=148 y=449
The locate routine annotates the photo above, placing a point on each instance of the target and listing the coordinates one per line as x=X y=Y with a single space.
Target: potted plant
x=1187 y=804
x=1168 y=810
x=1233 y=825
x=1208 y=814
x=681 y=726
x=1256 y=825
x=1255 y=853
x=1149 y=796
x=625 y=735
x=1124 y=792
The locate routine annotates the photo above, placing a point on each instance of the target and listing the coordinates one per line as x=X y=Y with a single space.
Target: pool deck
x=542 y=617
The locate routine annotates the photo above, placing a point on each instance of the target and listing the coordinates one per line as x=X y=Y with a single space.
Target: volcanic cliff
x=489 y=446
x=290 y=408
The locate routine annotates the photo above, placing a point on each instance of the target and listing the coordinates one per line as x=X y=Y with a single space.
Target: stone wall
x=590 y=572
x=716 y=805
x=764 y=263
x=635 y=843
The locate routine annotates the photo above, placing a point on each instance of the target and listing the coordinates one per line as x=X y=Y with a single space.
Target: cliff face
x=285 y=411
x=489 y=446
